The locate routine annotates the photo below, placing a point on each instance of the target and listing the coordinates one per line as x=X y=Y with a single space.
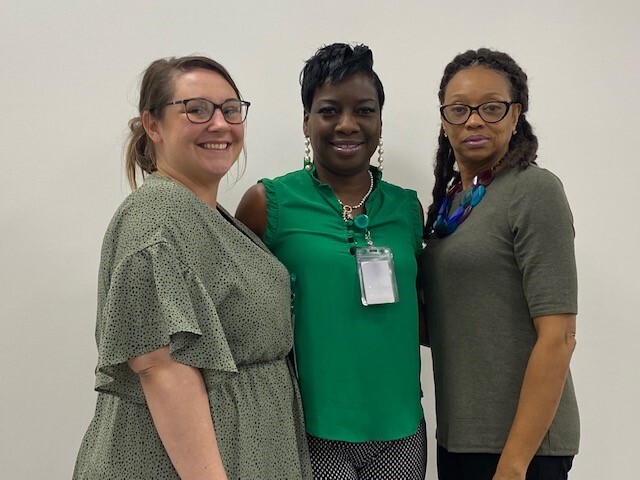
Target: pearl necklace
x=348 y=209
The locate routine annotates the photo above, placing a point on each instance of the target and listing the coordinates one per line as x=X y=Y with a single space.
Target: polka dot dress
x=175 y=272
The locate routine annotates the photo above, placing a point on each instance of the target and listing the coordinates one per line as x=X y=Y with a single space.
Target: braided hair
x=522 y=146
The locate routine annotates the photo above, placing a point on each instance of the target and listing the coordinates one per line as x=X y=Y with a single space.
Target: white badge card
x=377 y=275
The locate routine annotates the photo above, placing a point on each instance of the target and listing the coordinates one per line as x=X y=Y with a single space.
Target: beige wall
x=68 y=86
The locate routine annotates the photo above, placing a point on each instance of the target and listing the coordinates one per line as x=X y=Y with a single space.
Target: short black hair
x=334 y=63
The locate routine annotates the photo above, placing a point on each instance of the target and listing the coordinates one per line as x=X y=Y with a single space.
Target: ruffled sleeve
x=272 y=212
x=152 y=300
x=416 y=219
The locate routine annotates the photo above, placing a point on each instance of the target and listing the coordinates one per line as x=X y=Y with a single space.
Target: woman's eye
x=328 y=111
x=195 y=111
x=366 y=111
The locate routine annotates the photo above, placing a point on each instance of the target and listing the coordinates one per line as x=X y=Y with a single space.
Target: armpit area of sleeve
x=154 y=300
x=542 y=226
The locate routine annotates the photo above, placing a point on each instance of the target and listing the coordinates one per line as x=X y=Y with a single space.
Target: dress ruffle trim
x=155 y=300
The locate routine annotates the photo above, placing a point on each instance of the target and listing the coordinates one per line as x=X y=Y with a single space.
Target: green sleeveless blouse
x=358 y=367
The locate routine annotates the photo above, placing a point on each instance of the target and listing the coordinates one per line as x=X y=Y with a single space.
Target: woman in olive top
x=193 y=328
x=349 y=240
x=500 y=284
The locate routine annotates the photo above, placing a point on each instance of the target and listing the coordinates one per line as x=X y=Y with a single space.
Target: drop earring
x=380 y=155
x=308 y=164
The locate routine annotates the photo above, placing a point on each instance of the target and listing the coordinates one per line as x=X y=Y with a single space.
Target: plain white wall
x=69 y=80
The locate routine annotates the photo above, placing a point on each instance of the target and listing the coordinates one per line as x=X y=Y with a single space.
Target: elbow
x=147 y=364
x=570 y=341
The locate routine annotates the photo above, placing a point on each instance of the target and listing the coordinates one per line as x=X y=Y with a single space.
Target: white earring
x=380 y=155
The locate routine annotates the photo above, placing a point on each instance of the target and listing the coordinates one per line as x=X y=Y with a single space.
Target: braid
x=523 y=146
x=444 y=173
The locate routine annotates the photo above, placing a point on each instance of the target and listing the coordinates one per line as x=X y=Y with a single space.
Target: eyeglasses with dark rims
x=201 y=110
x=490 y=112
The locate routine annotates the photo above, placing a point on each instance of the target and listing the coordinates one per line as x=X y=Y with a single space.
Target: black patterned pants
x=402 y=459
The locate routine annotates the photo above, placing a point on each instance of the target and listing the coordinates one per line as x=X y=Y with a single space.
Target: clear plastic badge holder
x=377 y=275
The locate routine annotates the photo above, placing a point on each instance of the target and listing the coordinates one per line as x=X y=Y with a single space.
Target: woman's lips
x=347 y=148
x=476 y=141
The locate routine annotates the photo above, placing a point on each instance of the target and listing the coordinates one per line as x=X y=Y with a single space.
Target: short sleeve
x=542 y=227
x=272 y=212
x=153 y=300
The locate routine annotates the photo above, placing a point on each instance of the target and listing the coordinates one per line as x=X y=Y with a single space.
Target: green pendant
x=361 y=221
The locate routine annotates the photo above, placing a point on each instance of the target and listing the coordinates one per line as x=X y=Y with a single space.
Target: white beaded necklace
x=347 y=209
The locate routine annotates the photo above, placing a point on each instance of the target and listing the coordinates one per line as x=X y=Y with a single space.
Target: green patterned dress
x=176 y=272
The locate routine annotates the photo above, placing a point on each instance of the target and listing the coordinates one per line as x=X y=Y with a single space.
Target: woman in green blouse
x=349 y=240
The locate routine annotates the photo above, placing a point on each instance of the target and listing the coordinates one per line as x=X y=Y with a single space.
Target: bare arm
x=542 y=387
x=252 y=210
x=179 y=406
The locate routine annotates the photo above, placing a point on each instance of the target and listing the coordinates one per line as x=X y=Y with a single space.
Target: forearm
x=179 y=406
x=540 y=395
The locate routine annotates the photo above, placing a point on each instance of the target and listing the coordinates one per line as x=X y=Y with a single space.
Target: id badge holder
x=377 y=275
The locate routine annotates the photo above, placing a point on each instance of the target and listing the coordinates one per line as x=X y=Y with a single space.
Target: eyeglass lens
x=489 y=112
x=200 y=110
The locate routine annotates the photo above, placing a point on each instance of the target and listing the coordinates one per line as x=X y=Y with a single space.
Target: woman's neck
x=348 y=188
x=207 y=192
x=469 y=172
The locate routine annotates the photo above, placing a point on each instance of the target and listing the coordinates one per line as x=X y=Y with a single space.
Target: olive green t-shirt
x=512 y=260
x=359 y=366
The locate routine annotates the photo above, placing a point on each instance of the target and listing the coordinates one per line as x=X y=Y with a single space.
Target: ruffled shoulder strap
x=272 y=212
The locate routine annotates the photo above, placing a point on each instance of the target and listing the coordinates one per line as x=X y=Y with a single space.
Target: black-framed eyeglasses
x=490 y=112
x=201 y=110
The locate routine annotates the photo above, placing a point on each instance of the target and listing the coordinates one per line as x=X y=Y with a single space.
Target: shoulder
x=533 y=178
x=536 y=193
x=287 y=186
x=159 y=198
x=149 y=212
x=290 y=179
x=395 y=190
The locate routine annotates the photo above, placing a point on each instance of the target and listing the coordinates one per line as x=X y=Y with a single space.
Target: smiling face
x=196 y=154
x=344 y=125
x=478 y=145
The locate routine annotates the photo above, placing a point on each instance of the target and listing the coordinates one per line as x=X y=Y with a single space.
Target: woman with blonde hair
x=193 y=325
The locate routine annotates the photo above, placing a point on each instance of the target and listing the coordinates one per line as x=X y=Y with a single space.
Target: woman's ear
x=151 y=126
x=516 y=109
x=305 y=120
